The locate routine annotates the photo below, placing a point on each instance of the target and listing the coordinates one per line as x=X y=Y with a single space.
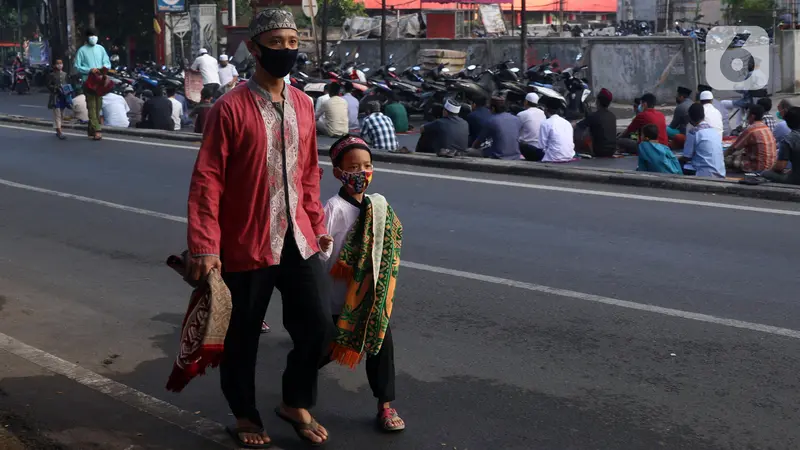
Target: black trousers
x=306 y=316
x=530 y=152
x=380 y=368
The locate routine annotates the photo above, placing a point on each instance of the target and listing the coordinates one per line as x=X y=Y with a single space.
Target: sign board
x=310 y=8
x=179 y=23
x=192 y=85
x=492 y=19
x=171 y=5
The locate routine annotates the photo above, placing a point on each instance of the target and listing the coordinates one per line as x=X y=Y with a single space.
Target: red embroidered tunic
x=256 y=171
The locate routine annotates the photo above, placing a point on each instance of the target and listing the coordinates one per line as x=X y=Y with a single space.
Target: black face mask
x=277 y=63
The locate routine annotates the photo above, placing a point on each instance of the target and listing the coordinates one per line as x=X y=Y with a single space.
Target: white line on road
x=543 y=187
x=205 y=428
x=31 y=106
x=787 y=332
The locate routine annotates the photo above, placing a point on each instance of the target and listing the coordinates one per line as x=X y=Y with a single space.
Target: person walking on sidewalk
x=91 y=59
x=57 y=101
x=255 y=215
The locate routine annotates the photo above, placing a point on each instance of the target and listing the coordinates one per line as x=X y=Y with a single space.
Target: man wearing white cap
x=450 y=133
x=531 y=119
x=228 y=75
x=713 y=116
x=208 y=68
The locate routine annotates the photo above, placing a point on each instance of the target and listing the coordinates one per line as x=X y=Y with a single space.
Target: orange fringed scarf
x=369 y=262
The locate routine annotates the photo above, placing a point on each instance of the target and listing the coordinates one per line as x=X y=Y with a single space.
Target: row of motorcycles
x=424 y=91
x=20 y=79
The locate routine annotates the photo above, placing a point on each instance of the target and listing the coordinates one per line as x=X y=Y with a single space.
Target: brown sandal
x=299 y=427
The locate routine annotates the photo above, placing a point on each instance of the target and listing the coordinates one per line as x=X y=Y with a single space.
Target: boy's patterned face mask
x=358 y=181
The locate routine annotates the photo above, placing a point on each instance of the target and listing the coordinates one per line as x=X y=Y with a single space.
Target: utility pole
x=92 y=21
x=323 y=51
x=523 y=39
x=70 y=27
x=666 y=18
x=19 y=27
x=383 y=32
x=560 y=17
x=232 y=13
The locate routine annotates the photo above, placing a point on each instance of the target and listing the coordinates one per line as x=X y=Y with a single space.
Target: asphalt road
x=503 y=339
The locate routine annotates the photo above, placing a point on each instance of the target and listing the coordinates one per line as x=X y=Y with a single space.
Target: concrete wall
x=628 y=66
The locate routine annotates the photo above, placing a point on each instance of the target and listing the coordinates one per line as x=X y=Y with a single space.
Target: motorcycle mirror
x=415 y=68
x=514 y=69
x=366 y=69
x=303 y=74
x=346 y=54
x=331 y=53
x=163 y=67
x=471 y=67
x=392 y=69
x=578 y=58
x=356 y=56
x=391 y=56
x=445 y=70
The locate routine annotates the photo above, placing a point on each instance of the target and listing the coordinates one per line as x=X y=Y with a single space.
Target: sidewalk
x=41 y=411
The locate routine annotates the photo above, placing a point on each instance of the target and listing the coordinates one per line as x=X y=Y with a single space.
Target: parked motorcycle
x=22 y=83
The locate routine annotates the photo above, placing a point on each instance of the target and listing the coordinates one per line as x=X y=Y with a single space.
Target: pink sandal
x=385 y=419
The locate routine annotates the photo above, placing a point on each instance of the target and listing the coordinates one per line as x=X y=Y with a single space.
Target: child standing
x=57 y=101
x=363 y=280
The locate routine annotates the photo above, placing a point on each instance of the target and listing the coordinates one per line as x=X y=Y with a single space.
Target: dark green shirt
x=397 y=112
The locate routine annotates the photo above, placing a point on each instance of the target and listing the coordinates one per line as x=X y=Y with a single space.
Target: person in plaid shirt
x=377 y=129
x=755 y=149
x=769 y=120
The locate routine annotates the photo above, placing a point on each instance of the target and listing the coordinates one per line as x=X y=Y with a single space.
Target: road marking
x=31 y=106
x=205 y=428
x=769 y=329
x=649 y=198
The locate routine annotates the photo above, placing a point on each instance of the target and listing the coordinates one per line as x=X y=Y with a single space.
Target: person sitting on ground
x=478 y=118
x=502 y=131
x=447 y=136
x=177 y=108
x=200 y=111
x=718 y=105
x=79 y=109
x=115 y=111
x=637 y=102
x=755 y=149
x=157 y=112
x=185 y=120
x=326 y=95
x=531 y=121
x=782 y=128
x=712 y=115
x=601 y=126
x=377 y=129
x=135 y=105
x=647 y=115
x=676 y=131
x=332 y=119
x=789 y=152
x=769 y=120
x=397 y=112
x=655 y=156
x=352 y=106
x=556 y=134
x=702 y=152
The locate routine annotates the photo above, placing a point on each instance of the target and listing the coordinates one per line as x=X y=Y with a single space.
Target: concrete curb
x=136 y=132
x=520 y=168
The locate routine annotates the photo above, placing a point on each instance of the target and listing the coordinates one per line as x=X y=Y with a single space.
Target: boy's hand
x=325 y=243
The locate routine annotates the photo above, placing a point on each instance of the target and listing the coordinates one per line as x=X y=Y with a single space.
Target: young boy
x=363 y=280
x=655 y=156
x=57 y=101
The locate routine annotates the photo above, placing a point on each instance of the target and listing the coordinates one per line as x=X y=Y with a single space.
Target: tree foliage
x=750 y=12
x=339 y=10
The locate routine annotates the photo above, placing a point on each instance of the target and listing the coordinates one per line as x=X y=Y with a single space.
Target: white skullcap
x=203 y=51
x=223 y=57
x=706 y=95
x=452 y=107
x=532 y=98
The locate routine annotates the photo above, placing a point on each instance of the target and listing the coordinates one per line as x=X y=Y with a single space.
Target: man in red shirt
x=255 y=215
x=648 y=115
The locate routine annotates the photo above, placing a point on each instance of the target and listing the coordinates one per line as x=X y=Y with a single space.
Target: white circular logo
x=737 y=64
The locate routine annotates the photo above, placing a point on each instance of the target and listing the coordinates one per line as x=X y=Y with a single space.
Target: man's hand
x=94 y=71
x=325 y=243
x=201 y=266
